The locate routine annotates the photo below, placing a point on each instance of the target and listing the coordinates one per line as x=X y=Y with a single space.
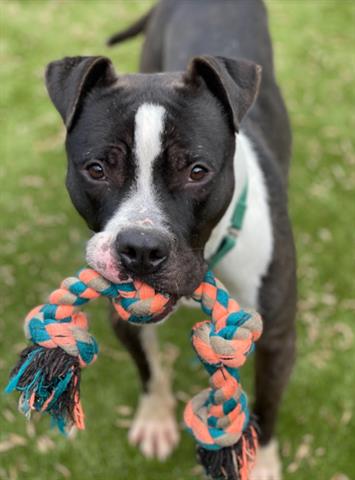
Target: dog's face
x=150 y=161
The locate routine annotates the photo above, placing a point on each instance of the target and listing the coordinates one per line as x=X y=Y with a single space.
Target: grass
x=42 y=239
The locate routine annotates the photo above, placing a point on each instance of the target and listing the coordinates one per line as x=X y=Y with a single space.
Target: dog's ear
x=234 y=82
x=69 y=80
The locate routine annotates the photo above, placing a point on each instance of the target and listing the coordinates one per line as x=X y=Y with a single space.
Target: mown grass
x=42 y=239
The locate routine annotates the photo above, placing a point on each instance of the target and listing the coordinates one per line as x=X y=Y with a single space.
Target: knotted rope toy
x=48 y=372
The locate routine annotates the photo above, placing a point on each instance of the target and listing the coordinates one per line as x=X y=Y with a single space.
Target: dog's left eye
x=96 y=171
x=197 y=173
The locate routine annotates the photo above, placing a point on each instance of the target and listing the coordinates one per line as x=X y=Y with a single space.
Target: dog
x=157 y=162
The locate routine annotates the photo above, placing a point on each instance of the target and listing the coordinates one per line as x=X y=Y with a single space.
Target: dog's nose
x=142 y=251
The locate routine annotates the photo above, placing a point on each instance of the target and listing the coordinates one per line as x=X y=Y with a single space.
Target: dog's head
x=150 y=160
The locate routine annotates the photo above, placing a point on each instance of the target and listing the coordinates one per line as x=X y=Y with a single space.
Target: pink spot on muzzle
x=100 y=256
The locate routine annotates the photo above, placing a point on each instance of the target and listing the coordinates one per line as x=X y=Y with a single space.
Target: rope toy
x=48 y=372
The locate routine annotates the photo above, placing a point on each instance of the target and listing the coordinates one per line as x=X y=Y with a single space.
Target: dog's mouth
x=179 y=277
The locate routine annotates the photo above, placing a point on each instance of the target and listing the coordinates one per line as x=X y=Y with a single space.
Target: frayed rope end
x=49 y=381
x=234 y=462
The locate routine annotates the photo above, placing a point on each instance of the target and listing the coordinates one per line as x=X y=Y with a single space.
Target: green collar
x=229 y=241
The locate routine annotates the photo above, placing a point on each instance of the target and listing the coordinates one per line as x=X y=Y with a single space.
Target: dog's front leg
x=154 y=428
x=275 y=355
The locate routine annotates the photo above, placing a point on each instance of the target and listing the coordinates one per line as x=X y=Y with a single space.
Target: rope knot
x=231 y=344
x=69 y=333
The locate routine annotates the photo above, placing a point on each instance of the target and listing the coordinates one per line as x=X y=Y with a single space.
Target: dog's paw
x=267 y=463
x=154 y=428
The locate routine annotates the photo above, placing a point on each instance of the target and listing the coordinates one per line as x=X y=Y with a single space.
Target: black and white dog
x=156 y=163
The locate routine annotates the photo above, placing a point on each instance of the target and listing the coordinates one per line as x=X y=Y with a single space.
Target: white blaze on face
x=149 y=126
x=141 y=207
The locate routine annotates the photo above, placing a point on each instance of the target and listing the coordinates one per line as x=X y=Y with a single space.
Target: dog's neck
x=242 y=151
x=243 y=268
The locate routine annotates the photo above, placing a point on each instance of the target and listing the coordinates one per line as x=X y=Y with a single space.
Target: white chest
x=242 y=269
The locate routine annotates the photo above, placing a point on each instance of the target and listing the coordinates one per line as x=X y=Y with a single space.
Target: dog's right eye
x=96 y=171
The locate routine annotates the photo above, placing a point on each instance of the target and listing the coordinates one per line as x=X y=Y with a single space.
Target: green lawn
x=42 y=240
